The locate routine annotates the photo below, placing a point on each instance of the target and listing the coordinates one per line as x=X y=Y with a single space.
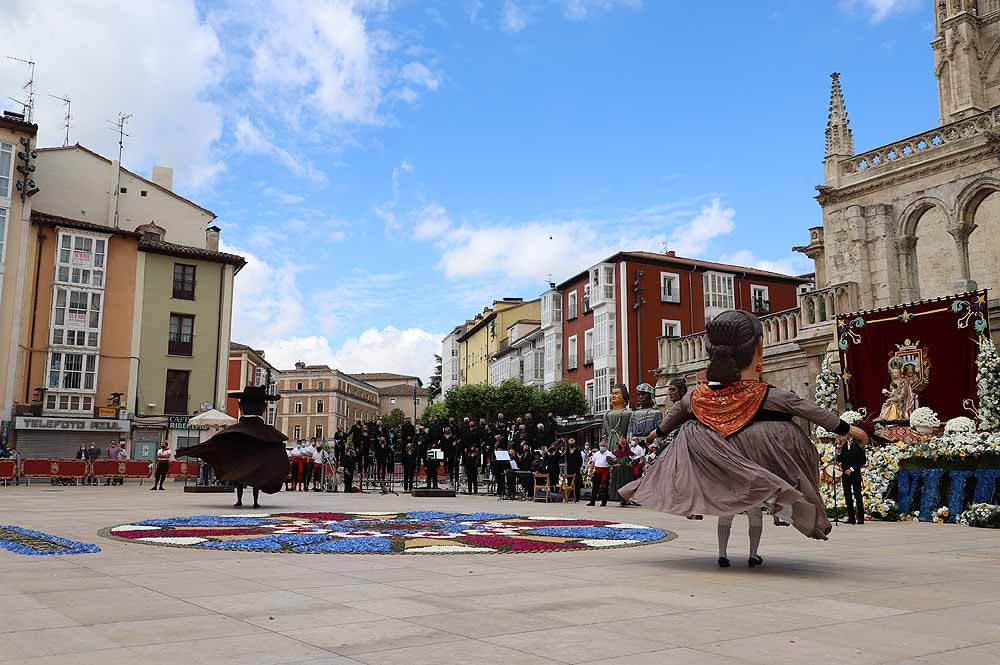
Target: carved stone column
x=858 y=226
x=961 y=231
x=909 y=289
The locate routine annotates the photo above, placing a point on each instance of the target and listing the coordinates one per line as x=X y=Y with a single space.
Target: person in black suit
x=574 y=464
x=852 y=459
x=431 y=465
x=349 y=462
x=409 y=459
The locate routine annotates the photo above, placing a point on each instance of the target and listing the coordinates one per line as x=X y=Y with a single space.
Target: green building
x=183 y=339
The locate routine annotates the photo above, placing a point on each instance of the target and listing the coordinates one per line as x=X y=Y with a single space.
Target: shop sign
x=81 y=259
x=71 y=424
x=181 y=422
x=107 y=412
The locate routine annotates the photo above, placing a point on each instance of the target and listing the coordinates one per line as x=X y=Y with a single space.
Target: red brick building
x=606 y=339
x=247 y=367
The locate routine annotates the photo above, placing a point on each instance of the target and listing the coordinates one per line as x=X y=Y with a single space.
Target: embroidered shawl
x=728 y=410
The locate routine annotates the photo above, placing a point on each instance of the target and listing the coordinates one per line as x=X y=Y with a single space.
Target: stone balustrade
x=817 y=308
x=825 y=304
x=920 y=144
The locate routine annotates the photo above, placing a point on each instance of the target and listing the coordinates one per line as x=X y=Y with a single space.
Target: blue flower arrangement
x=600 y=533
x=28 y=542
x=207 y=520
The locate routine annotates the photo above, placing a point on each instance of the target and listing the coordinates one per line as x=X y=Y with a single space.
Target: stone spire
x=839 y=140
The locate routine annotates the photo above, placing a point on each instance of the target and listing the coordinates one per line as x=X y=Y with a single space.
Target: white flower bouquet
x=924 y=420
x=941 y=514
x=959 y=424
x=982 y=515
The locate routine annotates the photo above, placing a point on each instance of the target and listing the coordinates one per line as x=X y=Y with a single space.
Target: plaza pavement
x=882 y=593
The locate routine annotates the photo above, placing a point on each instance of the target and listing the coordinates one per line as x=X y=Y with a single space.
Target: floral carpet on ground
x=19 y=540
x=423 y=532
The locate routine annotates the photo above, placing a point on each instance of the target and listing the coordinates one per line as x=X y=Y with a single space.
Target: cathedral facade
x=916 y=218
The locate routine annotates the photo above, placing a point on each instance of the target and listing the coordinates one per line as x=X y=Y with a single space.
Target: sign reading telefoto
x=71 y=424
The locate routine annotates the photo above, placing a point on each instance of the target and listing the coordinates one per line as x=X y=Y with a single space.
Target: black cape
x=249 y=452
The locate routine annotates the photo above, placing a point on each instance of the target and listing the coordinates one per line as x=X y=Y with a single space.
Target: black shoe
x=723 y=562
x=861 y=522
x=591 y=503
x=755 y=561
x=623 y=504
x=851 y=521
x=238 y=504
x=256 y=505
x=153 y=488
x=161 y=487
x=603 y=504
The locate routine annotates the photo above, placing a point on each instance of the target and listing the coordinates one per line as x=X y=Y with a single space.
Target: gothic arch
x=910 y=217
x=972 y=196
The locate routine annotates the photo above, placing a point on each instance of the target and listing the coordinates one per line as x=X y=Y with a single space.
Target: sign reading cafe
x=71 y=424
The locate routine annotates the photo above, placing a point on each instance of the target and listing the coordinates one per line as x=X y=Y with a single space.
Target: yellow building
x=487 y=335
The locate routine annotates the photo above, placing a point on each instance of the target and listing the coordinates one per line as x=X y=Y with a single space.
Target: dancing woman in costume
x=737 y=449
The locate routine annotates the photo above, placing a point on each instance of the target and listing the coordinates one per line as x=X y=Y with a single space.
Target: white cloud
x=283 y=197
x=432 y=221
x=418 y=73
x=583 y=9
x=879 y=9
x=283 y=353
x=694 y=237
x=252 y=140
x=406 y=351
x=512 y=17
x=267 y=300
x=386 y=211
x=161 y=66
x=792 y=264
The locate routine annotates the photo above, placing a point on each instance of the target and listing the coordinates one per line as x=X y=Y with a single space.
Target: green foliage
x=513 y=399
x=435 y=385
x=564 y=399
x=395 y=419
x=437 y=410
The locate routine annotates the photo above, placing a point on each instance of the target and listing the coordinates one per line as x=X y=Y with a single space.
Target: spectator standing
x=163 y=456
x=852 y=460
x=409 y=459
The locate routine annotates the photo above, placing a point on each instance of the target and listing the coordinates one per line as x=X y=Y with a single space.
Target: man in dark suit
x=852 y=459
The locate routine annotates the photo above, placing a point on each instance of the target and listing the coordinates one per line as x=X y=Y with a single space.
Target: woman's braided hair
x=732 y=340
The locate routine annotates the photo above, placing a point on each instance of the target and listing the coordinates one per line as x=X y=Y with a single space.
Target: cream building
x=17 y=138
x=486 y=335
x=316 y=400
x=915 y=218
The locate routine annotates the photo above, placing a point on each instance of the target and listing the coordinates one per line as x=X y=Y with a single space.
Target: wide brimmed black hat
x=255 y=394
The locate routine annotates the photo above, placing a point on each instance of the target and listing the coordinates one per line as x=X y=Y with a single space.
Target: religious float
x=926 y=376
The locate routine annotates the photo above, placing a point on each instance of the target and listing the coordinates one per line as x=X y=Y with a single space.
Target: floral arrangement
x=941 y=515
x=924 y=418
x=988 y=386
x=28 y=542
x=983 y=515
x=884 y=463
x=959 y=425
x=421 y=532
x=827 y=385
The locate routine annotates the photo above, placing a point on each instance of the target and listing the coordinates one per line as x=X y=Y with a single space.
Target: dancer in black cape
x=251 y=452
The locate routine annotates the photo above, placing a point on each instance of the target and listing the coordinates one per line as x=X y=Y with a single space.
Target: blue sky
x=389 y=167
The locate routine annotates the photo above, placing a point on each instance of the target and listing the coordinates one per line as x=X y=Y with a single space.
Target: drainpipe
x=34 y=315
x=691 y=272
x=218 y=335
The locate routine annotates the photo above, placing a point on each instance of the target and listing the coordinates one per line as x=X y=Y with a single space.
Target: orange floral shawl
x=728 y=410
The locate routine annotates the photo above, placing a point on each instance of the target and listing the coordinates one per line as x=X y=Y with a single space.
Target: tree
x=564 y=399
x=435 y=385
x=437 y=410
x=395 y=419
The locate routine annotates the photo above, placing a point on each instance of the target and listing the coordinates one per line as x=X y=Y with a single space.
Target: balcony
x=814 y=318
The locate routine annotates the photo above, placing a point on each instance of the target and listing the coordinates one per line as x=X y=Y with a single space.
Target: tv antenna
x=119 y=125
x=29 y=88
x=65 y=100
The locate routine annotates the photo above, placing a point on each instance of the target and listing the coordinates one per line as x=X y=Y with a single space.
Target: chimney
x=164 y=177
x=671 y=253
x=212 y=238
x=300 y=365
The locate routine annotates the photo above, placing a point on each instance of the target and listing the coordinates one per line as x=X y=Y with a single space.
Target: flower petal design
x=417 y=532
